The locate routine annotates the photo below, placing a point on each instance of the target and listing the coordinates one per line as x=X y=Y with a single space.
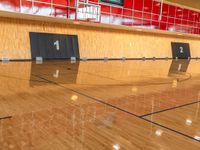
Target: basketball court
x=99 y=75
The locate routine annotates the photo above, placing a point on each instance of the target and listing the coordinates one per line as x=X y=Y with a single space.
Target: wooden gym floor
x=97 y=105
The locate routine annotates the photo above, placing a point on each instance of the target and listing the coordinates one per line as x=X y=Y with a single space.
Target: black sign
x=54 y=46
x=180 y=50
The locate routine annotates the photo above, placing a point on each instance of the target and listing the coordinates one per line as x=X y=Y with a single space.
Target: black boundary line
x=7 y=117
x=168 y=109
x=98 y=100
x=178 y=132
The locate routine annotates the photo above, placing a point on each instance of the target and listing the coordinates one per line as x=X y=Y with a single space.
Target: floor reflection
x=64 y=73
x=90 y=126
x=64 y=105
x=178 y=67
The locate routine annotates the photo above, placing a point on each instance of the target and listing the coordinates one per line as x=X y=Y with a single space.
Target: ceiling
x=189 y=3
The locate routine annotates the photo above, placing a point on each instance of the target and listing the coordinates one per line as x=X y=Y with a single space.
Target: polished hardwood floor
x=114 y=105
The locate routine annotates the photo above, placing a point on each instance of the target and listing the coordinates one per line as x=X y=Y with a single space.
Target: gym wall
x=94 y=42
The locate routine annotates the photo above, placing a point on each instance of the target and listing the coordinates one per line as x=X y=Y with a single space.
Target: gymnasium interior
x=100 y=75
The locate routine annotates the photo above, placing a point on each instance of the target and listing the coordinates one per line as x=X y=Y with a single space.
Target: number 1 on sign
x=56 y=43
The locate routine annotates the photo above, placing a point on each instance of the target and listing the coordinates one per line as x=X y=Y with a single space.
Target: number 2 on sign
x=181 y=49
x=56 y=43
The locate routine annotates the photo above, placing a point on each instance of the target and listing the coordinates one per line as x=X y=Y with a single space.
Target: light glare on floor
x=188 y=122
x=159 y=132
x=174 y=83
x=74 y=97
x=134 y=89
x=197 y=137
x=116 y=147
